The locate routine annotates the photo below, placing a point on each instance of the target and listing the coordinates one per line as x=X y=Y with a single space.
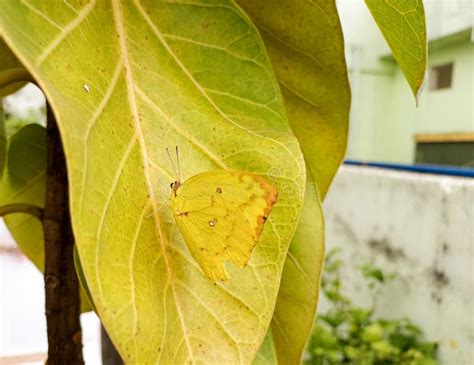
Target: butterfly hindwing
x=221 y=214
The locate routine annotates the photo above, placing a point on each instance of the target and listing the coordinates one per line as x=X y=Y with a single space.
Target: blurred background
x=401 y=209
x=385 y=123
x=404 y=200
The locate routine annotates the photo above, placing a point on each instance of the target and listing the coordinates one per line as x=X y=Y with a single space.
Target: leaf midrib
x=118 y=21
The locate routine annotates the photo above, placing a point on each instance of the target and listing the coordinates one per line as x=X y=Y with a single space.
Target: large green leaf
x=87 y=304
x=24 y=182
x=9 y=65
x=298 y=297
x=10 y=69
x=305 y=44
x=192 y=74
x=267 y=353
x=403 y=25
x=299 y=290
x=307 y=51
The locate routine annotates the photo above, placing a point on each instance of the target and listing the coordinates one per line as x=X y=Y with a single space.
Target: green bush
x=350 y=335
x=14 y=123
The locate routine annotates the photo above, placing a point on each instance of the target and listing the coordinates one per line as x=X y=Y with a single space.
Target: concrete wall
x=420 y=227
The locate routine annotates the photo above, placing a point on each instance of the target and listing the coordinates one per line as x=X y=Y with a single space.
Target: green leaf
x=267 y=353
x=85 y=293
x=307 y=53
x=324 y=338
x=373 y=332
x=360 y=316
x=384 y=350
x=192 y=74
x=403 y=25
x=299 y=289
x=371 y=272
x=10 y=70
x=333 y=318
x=305 y=44
x=24 y=182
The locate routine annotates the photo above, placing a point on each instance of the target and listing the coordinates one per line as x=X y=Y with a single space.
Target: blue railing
x=420 y=168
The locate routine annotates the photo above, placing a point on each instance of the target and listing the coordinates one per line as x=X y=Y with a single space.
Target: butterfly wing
x=221 y=215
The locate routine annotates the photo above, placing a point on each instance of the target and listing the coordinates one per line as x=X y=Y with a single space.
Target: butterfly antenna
x=172 y=164
x=177 y=161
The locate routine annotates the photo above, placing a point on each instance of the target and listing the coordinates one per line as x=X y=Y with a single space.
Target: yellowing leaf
x=299 y=290
x=221 y=215
x=403 y=25
x=192 y=74
x=87 y=304
x=305 y=45
x=10 y=69
x=267 y=353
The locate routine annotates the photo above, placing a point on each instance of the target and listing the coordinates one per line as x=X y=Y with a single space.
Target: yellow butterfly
x=221 y=215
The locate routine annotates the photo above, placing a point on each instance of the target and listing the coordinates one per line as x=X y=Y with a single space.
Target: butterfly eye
x=171 y=185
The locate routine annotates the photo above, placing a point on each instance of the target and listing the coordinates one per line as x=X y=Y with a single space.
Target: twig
x=31 y=209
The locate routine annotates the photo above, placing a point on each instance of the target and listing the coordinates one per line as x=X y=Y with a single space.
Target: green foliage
x=14 y=123
x=403 y=25
x=10 y=69
x=236 y=87
x=347 y=334
x=187 y=74
x=25 y=183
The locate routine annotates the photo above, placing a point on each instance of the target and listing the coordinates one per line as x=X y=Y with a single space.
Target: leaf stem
x=31 y=209
x=14 y=75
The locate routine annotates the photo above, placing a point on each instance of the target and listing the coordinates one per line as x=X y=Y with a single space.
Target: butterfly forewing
x=220 y=215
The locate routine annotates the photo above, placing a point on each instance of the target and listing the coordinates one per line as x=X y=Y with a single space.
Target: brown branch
x=60 y=279
x=31 y=209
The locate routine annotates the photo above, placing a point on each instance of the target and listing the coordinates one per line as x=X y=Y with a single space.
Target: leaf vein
x=93 y=121
x=216 y=319
x=118 y=16
x=115 y=182
x=185 y=134
x=65 y=31
x=44 y=16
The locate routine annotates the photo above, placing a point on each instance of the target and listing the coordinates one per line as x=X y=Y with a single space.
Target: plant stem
x=61 y=283
x=22 y=208
x=13 y=75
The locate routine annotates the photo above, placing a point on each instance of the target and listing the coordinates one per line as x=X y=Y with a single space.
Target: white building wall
x=443 y=17
x=372 y=80
x=420 y=227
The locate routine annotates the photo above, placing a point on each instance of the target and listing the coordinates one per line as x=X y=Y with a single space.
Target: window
x=455 y=149
x=441 y=76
